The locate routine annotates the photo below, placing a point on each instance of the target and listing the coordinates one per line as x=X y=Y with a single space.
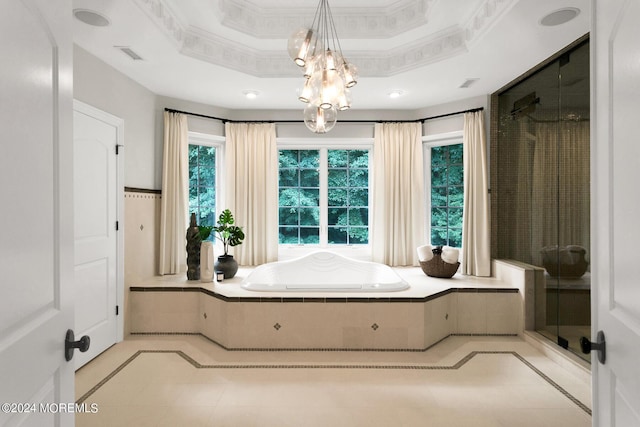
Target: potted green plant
x=205 y=231
x=230 y=235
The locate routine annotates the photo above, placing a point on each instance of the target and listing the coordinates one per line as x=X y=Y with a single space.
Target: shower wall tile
x=217 y=318
x=319 y=325
x=392 y=337
x=428 y=330
x=328 y=321
x=357 y=337
x=141 y=240
x=472 y=313
x=141 y=234
x=141 y=312
x=440 y=318
x=528 y=279
x=488 y=313
x=400 y=321
x=503 y=313
x=236 y=326
x=164 y=311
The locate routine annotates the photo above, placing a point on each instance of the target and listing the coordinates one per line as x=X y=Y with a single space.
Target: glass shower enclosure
x=541 y=188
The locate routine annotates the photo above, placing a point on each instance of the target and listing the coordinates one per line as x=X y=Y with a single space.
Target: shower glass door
x=543 y=190
x=573 y=277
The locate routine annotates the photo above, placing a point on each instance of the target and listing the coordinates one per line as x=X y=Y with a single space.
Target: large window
x=203 y=183
x=444 y=163
x=299 y=196
x=324 y=197
x=348 y=196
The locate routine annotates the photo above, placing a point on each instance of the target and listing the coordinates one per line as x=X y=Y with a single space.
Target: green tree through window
x=202 y=183
x=346 y=207
x=299 y=196
x=348 y=200
x=447 y=195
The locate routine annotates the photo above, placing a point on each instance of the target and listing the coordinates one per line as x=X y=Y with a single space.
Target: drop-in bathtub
x=324 y=271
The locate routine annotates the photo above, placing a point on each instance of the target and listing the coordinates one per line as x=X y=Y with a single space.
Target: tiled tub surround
x=414 y=319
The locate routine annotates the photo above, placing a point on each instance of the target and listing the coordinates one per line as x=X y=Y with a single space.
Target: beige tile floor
x=183 y=380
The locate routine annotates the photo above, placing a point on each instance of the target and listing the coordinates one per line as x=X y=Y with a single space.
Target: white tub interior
x=324 y=271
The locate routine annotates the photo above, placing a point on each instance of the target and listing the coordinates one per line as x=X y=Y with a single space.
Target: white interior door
x=36 y=211
x=615 y=210
x=96 y=137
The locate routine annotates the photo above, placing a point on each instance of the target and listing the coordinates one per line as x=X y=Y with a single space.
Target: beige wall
x=100 y=85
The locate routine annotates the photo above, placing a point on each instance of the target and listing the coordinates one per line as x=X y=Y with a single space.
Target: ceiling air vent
x=468 y=83
x=130 y=53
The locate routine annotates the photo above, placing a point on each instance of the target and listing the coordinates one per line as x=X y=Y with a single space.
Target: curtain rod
x=472 y=110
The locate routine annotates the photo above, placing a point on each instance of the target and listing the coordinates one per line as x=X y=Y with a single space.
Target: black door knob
x=600 y=346
x=70 y=345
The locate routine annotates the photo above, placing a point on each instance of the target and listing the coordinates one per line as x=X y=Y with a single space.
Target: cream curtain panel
x=175 y=198
x=398 y=194
x=252 y=189
x=476 y=246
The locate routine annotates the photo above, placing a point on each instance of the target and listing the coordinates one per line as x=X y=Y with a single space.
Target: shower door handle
x=600 y=346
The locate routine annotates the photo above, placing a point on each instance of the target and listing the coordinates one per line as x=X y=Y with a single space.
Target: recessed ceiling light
x=396 y=93
x=91 y=17
x=251 y=94
x=559 y=16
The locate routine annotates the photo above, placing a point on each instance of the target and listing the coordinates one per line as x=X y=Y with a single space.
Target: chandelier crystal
x=328 y=75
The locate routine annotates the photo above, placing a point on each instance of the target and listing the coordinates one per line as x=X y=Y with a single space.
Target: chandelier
x=328 y=75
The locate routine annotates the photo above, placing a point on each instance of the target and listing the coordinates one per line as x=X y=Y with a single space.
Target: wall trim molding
x=141 y=190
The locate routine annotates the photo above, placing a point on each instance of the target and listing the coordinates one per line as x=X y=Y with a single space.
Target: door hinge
x=117 y=225
x=118 y=148
x=117 y=310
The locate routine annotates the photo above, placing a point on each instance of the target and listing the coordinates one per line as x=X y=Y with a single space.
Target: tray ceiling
x=211 y=51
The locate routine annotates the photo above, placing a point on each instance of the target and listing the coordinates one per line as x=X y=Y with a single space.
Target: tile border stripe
x=381 y=350
x=455 y=366
x=335 y=299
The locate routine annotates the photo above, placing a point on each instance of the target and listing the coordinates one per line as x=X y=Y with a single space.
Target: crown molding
x=165 y=19
x=226 y=53
x=371 y=23
x=217 y=50
x=485 y=16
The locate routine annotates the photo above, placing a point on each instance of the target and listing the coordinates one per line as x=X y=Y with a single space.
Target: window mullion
x=324 y=195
